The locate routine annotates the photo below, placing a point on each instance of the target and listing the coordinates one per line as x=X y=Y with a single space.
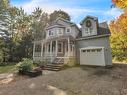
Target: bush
x=40 y=63
x=72 y=62
x=25 y=65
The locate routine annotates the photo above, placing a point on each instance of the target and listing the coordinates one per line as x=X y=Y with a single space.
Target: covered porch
x=50 y=49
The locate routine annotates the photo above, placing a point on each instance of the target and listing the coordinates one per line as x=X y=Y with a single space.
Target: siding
x=100 y=42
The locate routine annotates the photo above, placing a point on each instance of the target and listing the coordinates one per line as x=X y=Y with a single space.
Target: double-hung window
x=60 y=31
x=50 y=33
x=68 y=30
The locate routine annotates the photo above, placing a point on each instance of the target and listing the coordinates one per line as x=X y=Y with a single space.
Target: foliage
x=119 y=37
x=120 y=3
x=72 y=62
x=25 y=65
x=38 y=24
x=40 y=63
x=61 y=14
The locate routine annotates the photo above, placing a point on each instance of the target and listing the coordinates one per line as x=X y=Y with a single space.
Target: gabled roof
x=59 y=18
x=92 y=17
x=54 y=23
x=103 y=28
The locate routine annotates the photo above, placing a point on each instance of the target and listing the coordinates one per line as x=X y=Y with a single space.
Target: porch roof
x=62 y=37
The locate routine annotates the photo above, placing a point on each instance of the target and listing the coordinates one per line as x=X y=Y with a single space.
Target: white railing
x=37 y=54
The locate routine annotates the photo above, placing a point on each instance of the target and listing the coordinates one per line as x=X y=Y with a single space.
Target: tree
x=120 y=3
x=119 y=37
x=61 y=14
x=4 y=25
x=39 y=21
x=118 y=29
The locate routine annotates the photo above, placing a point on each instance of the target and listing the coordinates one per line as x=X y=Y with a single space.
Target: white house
x=64 y=40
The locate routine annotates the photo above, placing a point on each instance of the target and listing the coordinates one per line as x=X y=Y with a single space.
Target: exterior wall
x=74 y=32
x=65 y=25
x=94 y=26
x=99 y=42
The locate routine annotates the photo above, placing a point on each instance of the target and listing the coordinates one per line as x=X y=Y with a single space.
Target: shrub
x=72 y=62
x=40 y=63
x=25 y=65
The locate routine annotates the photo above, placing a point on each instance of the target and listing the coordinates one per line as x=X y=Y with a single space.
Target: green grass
x=7 y=69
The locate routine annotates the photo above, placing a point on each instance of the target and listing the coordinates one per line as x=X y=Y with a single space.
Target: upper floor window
x=88 y=30
x=50 y=33
x=68 y=30
x=60 y=31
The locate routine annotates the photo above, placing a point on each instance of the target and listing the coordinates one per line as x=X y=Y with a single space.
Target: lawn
x=7 y=68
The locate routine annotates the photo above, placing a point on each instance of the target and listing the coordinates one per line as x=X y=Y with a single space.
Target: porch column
x=33 y=50
x=68 y=47
x=41 y=49
x=45 y=50
x=51 y=50
x=56 y=47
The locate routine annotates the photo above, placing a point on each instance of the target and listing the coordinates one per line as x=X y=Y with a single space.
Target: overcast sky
x=77 y=9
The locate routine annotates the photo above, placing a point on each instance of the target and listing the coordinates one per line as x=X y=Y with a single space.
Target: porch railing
x=37 y=54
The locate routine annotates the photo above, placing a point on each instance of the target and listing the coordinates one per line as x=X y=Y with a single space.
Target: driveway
x=83 y=80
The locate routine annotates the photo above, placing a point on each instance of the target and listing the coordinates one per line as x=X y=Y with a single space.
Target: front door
x=60 y=49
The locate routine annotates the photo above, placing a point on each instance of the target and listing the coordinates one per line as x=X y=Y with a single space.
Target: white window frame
x=69 y=29
x=51 y=33
x=89 y=31
x=60 y=32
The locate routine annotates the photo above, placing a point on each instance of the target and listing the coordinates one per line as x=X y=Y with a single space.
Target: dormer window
x=89 y=31
x=68 y=30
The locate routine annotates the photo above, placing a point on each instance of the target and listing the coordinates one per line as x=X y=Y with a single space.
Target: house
x=64 y=41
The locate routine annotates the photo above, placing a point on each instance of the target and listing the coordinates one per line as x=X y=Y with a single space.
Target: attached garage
x=92 y=56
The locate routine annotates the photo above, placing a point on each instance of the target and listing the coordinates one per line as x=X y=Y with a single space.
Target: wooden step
x=53 y=67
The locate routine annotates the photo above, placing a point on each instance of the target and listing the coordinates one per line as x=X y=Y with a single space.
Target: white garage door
x=92 y=56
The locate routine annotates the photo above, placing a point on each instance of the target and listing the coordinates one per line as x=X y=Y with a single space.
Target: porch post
x=51 y=50
x=45 y=50
x=42 y=49
x=33 y=49
x=68 y=47
x=56 y=47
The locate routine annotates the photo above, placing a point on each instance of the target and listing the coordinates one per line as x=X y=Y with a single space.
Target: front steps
x=53 y=67
x=56 y=65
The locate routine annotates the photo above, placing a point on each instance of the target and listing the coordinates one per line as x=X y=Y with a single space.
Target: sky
x=77 y=9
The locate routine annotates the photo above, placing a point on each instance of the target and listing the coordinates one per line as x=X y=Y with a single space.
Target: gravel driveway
x=82 y=80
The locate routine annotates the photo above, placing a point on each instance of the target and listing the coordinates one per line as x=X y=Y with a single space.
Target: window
x=83 y=50
x=91 y=30
x=38 y=48
x=60 y=47
x=88 y=50
x=88 y=30
x=93 y=50
x=53 y=45
x=50 y=33
x=60 y=31
x=99 y=50
x=49 y=48
x=68 y=30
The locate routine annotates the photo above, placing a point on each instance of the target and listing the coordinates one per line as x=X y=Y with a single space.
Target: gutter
x=92 y=37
